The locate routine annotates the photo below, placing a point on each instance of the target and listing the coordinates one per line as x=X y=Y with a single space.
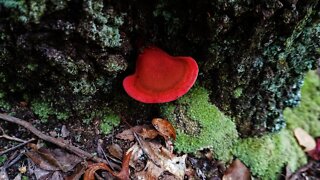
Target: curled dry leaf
x=89 y=174
x=122 y=175
x=237 y=170
x=145 y=131
x=304 y=139
x=164 y=127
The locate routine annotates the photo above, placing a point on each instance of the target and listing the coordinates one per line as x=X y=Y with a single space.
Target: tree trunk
x=71 y=56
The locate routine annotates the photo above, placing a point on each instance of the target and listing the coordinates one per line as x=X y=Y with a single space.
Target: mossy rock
x=266 y=156
x=307 y=114
x=200 y=124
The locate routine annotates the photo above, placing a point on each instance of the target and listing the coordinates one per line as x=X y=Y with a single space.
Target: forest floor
x=31 y=149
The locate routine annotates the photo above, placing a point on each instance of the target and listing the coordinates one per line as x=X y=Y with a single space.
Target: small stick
x=12 y=138
x=105 y=156
x=71 y=148
x=4 y=135
x=142 y=144
x=16 y=147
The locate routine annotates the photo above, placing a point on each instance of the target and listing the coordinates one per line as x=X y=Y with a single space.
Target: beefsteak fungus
x=159 y=77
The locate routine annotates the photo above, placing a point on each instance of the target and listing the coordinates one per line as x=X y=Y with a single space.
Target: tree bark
x=74 y=54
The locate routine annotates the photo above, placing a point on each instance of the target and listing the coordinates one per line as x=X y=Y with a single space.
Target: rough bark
x=74 y=54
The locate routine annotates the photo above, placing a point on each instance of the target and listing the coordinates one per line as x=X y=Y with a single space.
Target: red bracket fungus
x=159 y=77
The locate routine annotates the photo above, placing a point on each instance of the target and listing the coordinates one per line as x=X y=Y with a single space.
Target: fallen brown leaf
x=77 y=172
x=304 y=139
x=150 y=172
x=160 y=160
x=145 y=131
x=237 y=171
x=122 y=175
x=125 y=172
x=115 y=150
x=53 y=160
x=164 y=127
x=89 y=174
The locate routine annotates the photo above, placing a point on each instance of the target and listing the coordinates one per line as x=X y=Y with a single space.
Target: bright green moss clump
x=307 y=114
x=109 y=122
x=200 y=124
x=44 y=110
x=267 y=155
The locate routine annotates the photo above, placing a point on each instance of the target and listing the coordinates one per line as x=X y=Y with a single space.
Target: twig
x=105 y=156
x=12 y=138
x=71 y=148
x=4 y=135
x=145 y=149
x=15 y=160
x=16 y=147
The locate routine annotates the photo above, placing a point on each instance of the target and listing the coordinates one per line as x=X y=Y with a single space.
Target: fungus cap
x=159 y=77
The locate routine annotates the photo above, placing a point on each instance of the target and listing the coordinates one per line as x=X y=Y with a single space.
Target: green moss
x=109 y=122
x=83 y=86
x=44 y=110
x=307 y=114
x=267 y=155
x=3 y=159
x=201 y=125
x=25 y=178
x=237 y=92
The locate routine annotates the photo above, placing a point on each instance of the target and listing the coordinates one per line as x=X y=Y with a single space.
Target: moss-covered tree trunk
x=67 y=58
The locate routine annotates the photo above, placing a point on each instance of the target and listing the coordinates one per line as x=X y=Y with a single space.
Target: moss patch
x=267 y=155
x=307 y=114
x=200 y=124
x=109 y=122
x=44 y=110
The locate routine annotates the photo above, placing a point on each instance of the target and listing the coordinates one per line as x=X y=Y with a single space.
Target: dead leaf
x=77 y=173
x=164 y=127
x=56 y=176
x=42 y=174
x=3 y=174
x=53 y=160
x=160 y=160
x=64 y=131
x=115 y=150
x=89 y=173
x=237 y=170
x=145 y=131
x=122 y=175
x=18 y=177
x=150 y=172
x=304 y=139
x=125 y=172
